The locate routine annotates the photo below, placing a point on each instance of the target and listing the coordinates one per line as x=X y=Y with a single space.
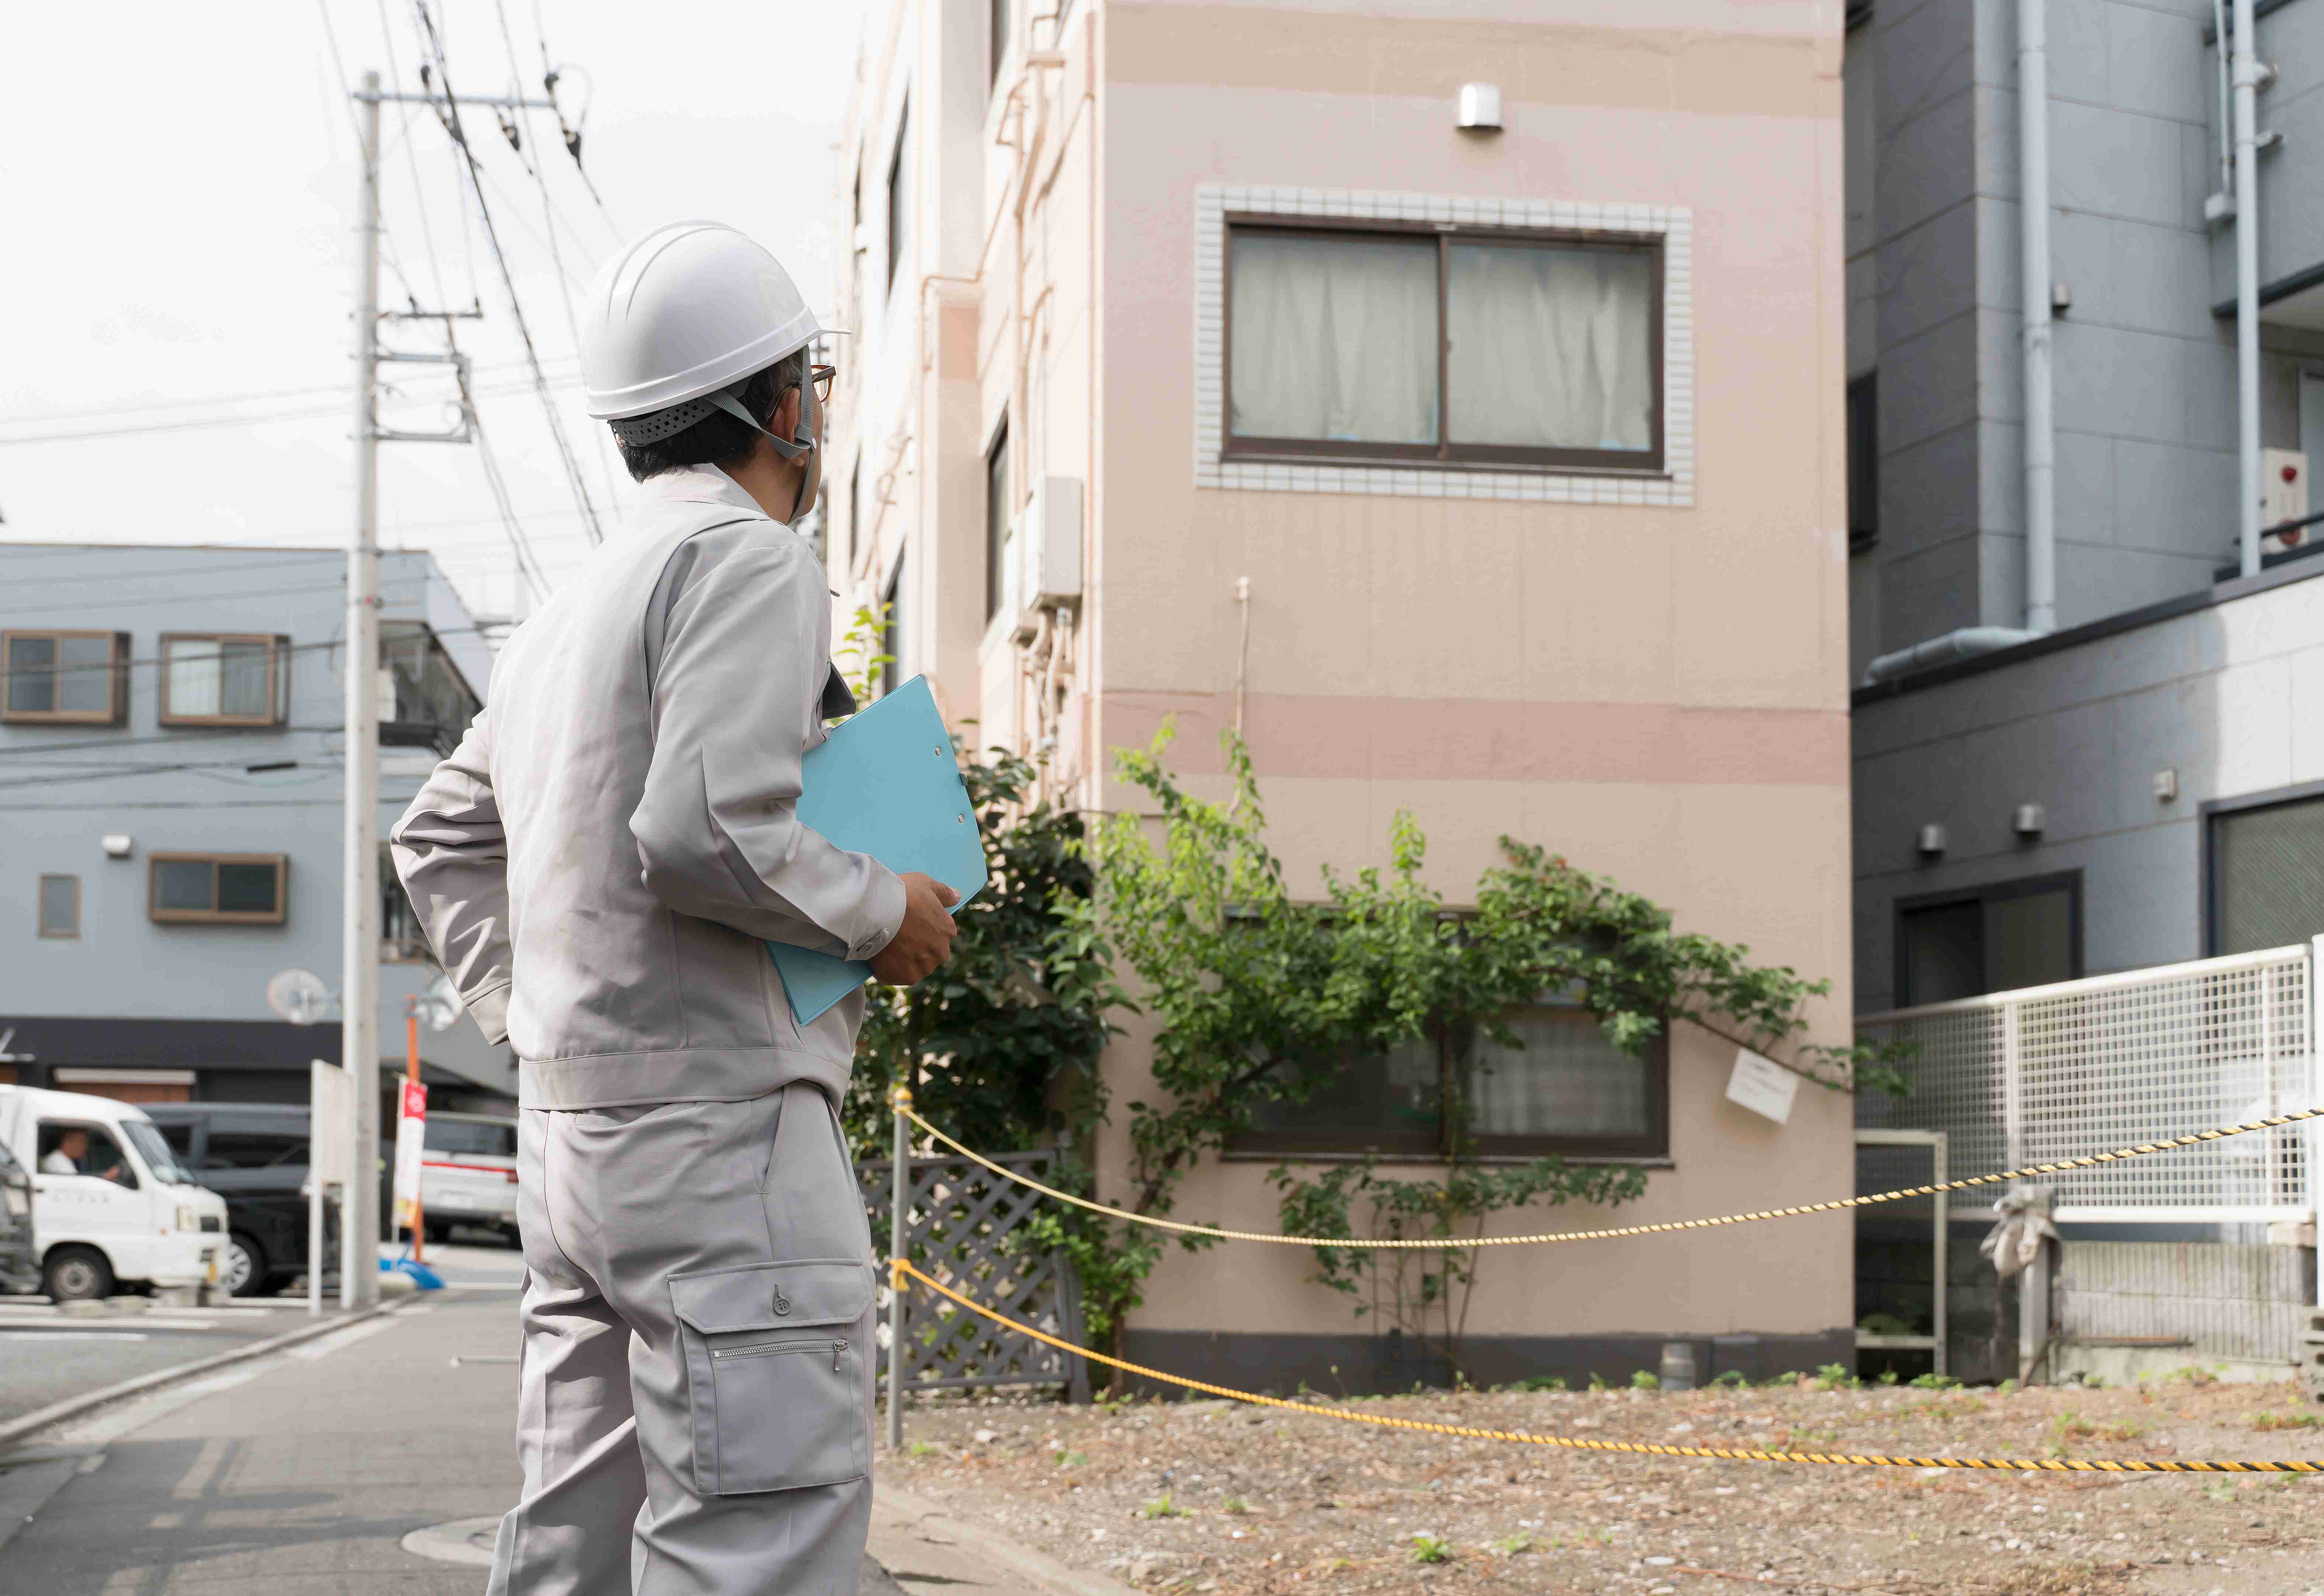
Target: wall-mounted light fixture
x=1480 y=108
x=1930 y=842
x=2166 y=784
x=117 y=844
x=2029 y=820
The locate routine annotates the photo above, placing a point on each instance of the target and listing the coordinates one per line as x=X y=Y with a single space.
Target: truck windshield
x=156 y=1152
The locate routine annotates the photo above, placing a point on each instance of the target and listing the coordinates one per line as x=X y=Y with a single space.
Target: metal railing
x=2047 y=1072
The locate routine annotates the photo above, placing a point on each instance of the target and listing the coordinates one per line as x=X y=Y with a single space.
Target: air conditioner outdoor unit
x=1047 y=549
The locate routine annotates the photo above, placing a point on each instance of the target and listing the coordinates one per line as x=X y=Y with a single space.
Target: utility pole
x=359 y=1217
x=359 y=913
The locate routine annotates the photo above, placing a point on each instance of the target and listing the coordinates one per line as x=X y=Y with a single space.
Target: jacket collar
x=699 y=484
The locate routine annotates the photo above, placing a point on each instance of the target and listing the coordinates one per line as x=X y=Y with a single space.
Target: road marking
x=77 y=1336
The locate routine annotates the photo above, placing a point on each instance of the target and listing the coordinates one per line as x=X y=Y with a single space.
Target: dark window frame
x=278 y=673
x=40 y=905
x=1863 y=461
x=2210 y=814
x=996 y=521
x=897 y=209
x=891 y=631
x=1982 y=893
x=116 y=710
x=1445 y=453
x=214 y=916
x=1652 y=1146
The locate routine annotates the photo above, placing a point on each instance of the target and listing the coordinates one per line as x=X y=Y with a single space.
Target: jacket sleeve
x=452 y=857
x=737 y=694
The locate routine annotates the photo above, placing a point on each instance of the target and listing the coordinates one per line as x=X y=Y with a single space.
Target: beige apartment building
x=1483 y=359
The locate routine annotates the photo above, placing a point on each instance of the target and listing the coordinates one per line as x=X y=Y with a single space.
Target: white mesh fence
x=2086 y=1066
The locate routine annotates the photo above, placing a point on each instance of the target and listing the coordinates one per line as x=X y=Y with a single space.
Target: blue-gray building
x=2137 y=786
x=170 y=790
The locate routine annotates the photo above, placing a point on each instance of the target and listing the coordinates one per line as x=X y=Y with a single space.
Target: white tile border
x=1672 y=488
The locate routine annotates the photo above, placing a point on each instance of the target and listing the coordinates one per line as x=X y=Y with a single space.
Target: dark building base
x=1357 y=1364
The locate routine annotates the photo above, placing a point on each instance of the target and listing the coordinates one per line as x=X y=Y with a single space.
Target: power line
x=570 y=134
x=304 y=413
x=92 y=412
x=449 y=109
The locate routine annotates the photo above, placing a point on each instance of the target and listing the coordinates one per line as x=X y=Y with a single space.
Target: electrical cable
x=527 y=566
x=570 y=133
x=448 y=110
x=93 y=412
x=412 y=159
x=304 y=413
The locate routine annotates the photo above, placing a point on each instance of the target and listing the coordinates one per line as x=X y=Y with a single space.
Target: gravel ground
x=1218 y=1497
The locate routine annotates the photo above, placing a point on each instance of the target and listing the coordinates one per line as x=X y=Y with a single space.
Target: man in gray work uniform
x=596 y=866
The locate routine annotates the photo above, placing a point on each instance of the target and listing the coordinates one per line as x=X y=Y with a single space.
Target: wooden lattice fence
x=967 y=1227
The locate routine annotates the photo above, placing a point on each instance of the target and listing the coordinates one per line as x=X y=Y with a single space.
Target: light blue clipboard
x=883 y=783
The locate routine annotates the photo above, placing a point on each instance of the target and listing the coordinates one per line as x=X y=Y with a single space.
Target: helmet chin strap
x=801 y=443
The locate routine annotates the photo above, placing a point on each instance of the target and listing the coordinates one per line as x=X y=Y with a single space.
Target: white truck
x=110 y=1204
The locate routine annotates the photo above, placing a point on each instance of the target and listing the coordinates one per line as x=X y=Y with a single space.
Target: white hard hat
x=679 y=321
x=688 y=309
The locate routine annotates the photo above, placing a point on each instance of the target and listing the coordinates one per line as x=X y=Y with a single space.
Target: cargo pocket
x=774 y=1369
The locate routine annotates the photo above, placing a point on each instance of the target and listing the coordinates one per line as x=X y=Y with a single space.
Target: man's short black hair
x=718 y=437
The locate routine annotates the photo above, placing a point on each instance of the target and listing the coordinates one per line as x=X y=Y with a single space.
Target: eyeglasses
x=822 y=377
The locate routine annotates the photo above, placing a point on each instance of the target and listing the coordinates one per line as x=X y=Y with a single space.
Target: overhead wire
x=548 y=219
x=302 y=413
x=449 y=111
x=570 y=133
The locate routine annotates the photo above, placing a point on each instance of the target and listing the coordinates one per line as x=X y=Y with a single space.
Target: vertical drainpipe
x=2244 y=73
x=2034 y=256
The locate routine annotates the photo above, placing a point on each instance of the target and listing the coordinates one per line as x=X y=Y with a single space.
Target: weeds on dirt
x=1513 y=1546
x=1430 y=1548
x=1234 y=1504
x=2286 y=1421
x=1642 y=1380
x=1162 y=1506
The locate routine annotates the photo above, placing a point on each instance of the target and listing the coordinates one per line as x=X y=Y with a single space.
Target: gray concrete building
x=171 y=789
x=2136 y=784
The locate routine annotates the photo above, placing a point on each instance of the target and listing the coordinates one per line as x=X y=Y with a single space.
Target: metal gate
x=967 y=1227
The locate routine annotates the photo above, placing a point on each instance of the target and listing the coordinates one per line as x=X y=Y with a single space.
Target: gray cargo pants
x=695 y=1415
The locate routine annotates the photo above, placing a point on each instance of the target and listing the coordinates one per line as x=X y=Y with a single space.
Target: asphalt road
x=47 y=1354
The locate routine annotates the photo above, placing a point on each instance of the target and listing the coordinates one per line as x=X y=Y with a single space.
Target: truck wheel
x=77 y=1274
x=243 y=1269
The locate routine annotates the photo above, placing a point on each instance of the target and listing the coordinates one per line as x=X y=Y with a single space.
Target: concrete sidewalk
x=373 y=1460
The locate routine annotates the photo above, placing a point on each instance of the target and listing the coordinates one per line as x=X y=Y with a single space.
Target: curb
x=1041 y=1572
x=16 y=1429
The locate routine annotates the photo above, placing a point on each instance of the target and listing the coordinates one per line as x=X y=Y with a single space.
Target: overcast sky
x=180 y=190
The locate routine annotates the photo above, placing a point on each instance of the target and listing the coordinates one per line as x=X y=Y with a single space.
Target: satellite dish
x=300 y=996
x=440 y=1005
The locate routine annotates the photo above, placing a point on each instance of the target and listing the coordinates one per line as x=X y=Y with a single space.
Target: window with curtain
x=1562 y=1088
x=1456 y=347
x=2267 y=876
x=222 y=680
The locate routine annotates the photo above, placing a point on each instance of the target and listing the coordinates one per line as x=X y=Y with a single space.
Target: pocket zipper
x=776 y=1348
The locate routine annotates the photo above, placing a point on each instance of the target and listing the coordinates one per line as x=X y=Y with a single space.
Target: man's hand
x=924 y=940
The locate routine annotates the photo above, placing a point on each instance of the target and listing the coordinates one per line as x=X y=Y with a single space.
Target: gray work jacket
x=597 y=862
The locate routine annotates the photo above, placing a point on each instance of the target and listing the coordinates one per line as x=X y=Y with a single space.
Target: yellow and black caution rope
x=1437 y=1243
x=902 y=1269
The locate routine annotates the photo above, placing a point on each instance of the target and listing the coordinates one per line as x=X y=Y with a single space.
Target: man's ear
x=784 y=422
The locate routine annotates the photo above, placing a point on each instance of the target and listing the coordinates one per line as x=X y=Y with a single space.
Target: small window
x=1863 y=461
x=893 y=674
x=60 y=905
x=255 y=1149
x=1563 y=1088
x=81 y=678
x=999 y=43
x=1998 y=939
x=1393 y=344
x=217 y=889
x=900 y=202
x=69 y=1149
x=214 y=679
x=2267 y=876
x=996 y=522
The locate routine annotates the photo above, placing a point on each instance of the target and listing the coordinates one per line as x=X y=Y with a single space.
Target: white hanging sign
x=1762 y=1086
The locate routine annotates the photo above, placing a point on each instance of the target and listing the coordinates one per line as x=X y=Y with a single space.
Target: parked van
x=110 y=1205
x=468 y=1174
x=254 y=1154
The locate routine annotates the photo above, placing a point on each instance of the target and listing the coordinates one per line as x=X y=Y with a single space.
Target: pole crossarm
x=903 y=1270
x=390 y=97
x=1665 y=1227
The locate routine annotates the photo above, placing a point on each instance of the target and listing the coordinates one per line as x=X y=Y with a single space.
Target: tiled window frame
x=1671 y=486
